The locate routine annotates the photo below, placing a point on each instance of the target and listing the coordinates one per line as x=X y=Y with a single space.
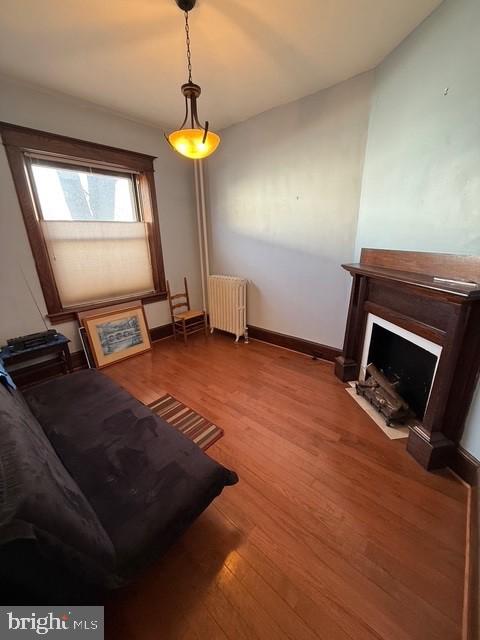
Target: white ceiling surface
x=248 y=55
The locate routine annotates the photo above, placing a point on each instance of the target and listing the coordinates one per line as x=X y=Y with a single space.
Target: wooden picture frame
x=93 y=313
x=116 y=334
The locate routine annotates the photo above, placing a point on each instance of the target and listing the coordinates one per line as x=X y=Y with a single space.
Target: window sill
x=71 y=314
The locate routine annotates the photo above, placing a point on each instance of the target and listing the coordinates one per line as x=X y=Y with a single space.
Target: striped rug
x=190 y=423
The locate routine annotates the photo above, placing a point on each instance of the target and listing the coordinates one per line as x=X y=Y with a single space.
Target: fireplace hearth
x=432 y=361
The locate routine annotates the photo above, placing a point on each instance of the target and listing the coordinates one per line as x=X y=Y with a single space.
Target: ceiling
x=248 y=55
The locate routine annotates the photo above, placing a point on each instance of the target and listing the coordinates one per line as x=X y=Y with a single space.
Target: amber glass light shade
x=189 y=143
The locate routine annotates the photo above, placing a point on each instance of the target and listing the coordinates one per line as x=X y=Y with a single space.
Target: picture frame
x=100 y=311
x=116 y=333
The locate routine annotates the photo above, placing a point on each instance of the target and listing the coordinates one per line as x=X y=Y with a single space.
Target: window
x=96 y=240
x=90 y=213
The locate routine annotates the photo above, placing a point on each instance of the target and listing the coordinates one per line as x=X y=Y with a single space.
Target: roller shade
x=95 y=261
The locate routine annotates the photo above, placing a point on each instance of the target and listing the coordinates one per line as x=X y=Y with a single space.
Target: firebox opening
x=404 y=362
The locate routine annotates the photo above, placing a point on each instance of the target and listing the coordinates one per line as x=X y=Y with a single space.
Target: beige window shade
x=96 y=261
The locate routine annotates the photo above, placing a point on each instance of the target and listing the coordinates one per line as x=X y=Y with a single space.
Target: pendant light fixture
x=195 y=141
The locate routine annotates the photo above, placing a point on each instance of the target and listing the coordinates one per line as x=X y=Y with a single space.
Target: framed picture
x=101 y=311
x=116 y=334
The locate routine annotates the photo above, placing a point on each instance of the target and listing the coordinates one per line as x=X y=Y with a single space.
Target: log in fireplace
x=382 y=394
x=437 y=298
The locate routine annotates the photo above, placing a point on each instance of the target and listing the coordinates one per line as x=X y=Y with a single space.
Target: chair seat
x=186 y=315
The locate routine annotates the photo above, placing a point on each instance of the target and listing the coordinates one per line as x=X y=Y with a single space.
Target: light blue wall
x=284 y=191
x=421 y=179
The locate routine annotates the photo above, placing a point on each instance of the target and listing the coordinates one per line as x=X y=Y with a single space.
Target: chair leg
x=206 y=324
x=184 y=333
x=174 y=331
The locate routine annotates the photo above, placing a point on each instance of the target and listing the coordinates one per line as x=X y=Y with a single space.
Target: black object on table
x=57 y=346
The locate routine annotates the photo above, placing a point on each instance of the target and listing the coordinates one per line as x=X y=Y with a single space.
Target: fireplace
x=407 y=360
x=416 y=316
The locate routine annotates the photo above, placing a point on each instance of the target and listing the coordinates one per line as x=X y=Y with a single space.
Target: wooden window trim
x=18 y=141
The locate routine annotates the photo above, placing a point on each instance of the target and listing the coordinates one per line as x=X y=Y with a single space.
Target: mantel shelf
x=419 y=279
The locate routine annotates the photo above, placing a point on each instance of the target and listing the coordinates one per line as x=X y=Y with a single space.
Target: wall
x=421 y=183
x=283 y=203
x=285 y=188
x=20 y=291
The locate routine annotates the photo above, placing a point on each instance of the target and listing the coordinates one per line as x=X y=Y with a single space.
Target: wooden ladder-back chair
x=188 y=321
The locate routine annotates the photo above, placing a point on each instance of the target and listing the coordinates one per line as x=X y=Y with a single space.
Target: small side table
x=57 y=347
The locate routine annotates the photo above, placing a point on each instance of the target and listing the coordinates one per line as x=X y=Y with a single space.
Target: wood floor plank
x=333 y=532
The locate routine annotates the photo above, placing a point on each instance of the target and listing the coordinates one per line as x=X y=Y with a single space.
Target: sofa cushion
x=41 y=502
x=145 y=480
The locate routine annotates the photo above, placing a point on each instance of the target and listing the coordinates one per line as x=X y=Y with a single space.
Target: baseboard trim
x=467 y=469
x=465 y=466
x=31 y=374
x=161 y=332
x=78 y=360
x=470 y=618
x=314 y=349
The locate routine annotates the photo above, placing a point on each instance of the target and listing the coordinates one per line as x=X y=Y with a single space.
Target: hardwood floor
x=333 y=531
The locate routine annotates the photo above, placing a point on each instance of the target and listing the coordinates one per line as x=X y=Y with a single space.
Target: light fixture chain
x=189 y=55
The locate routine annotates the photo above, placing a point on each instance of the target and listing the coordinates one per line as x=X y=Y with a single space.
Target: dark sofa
x=93 y=487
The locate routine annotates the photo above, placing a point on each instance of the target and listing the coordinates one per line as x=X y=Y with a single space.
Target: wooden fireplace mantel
x=404 y=288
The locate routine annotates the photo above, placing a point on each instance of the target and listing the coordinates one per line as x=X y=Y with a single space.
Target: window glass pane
x=73 y=194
